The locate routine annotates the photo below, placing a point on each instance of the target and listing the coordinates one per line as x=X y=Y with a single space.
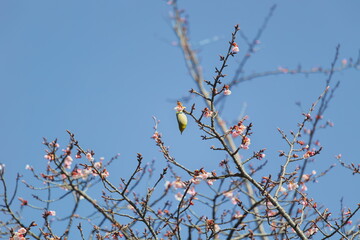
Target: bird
x=181 y=116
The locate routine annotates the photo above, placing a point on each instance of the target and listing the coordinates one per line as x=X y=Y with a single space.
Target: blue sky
x=102 y=69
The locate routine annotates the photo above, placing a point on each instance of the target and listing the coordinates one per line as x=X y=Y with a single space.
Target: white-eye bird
x=181 y=117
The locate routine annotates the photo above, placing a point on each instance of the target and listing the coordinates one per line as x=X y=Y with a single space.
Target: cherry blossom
x=208 y=113
x=344 y=62
x=227 y=90
x=156 y=136
x=192 y=191
x=179 y=107
x=311 y=231
x=235 y=48
x=237 y=130
x=237 y=215
x=283 y=70
x=303 y=187
x=210 y=182
x=28 y=167
x=167 y=185
x=228 y=194
x=245 y=143
x=89 y=157
x=179 y=196
x=67 y=162
x=104 y=174
x=309 y=154
x=292 y=186
x=51 y=213
x=178 y=184
x=19 y=235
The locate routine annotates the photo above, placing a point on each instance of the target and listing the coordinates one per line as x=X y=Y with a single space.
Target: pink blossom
x=205 y=175
x=227 y=90
x=28 y=167
x=208 y=113
x=245 y=143
x=211 y=182
x=167 y=185
x=269 y=204
x=217 y=228
x=19 y=235
x=77 y=173
x=195 y=180
x=22 y=231
x=179 y=107
x=311 y=231
x=238 y=130
x=67 y=151
x=228 y=194
x=67 y=162
x=234 y=200
x=105 y=173
x=51 y=213
x=304 y=188
x=303 y=202
x=192 y=191
x=282 y=189
x=54 y=144
x=271 y=213
x=313 y=172
x=344 y=61
x=89 y=157
x=306 y=177
x=237 y=215
x=85 y=173
x=307 y=131
x=178 y=184
x=309 y=154
x=283 y=70
x=179 y=196
x=260 y=156
x=156 y=136
x=235 y=48
x=98 y=165
x=292 y=186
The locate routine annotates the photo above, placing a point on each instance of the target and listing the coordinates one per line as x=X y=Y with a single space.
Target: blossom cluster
x=241 y=130
x=19 y=234
x=199 y=176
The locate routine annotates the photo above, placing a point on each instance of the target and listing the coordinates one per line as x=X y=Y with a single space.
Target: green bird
x=181 y=117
